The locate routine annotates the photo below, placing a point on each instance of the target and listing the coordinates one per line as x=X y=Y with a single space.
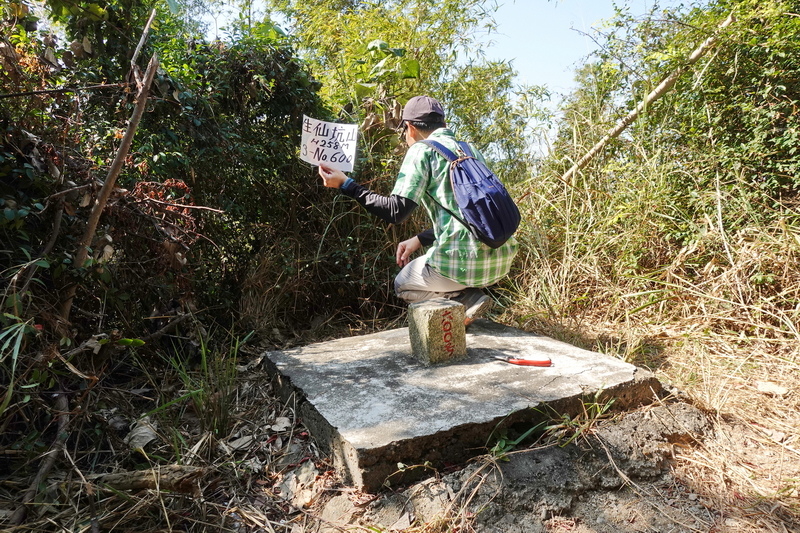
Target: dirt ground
x=645 y=471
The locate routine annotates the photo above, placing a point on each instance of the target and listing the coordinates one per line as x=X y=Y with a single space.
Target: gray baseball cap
x=423 y=109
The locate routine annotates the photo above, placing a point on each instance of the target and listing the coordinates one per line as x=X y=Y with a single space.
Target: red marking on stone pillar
x=447 y=337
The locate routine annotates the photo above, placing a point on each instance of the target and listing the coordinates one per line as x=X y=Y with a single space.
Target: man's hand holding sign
x=331 y=177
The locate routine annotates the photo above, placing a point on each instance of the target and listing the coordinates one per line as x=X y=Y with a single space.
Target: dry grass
x=750 y=467
x=231 y=480
x=720 y=323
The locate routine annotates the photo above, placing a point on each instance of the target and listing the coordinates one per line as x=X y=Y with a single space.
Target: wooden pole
x=654 y=95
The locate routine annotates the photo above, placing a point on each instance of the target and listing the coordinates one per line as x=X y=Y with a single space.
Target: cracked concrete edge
x=643 y=390
x=463 y=444
x=373 y=469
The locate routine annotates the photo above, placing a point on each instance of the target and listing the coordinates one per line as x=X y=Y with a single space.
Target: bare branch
x=65 y=90
x=62 y=407
x=108 y=186
x=654 y=95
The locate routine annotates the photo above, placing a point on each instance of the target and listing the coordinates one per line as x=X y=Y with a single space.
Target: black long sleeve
x=426 y=237
x=392 y=209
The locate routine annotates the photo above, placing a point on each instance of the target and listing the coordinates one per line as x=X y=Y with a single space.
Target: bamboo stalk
x=665 y=85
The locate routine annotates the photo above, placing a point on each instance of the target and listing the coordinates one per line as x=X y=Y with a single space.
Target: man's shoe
x=476 y=304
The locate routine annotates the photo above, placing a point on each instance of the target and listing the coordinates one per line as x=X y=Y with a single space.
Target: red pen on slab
x=521 y=361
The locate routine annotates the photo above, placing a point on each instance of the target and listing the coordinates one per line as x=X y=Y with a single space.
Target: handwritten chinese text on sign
x=328 y=142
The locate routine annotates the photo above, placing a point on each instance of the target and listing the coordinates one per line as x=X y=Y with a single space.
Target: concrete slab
x=372 y=405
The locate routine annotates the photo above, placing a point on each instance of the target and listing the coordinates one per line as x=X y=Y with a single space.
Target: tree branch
x=65 y=90
x=111 y=178
x=182 y=206
x=654 y=95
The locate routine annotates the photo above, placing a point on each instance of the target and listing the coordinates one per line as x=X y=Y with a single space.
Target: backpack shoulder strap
x=460 y=219
x=466 y=149
x=450 y=156
x=439 y=147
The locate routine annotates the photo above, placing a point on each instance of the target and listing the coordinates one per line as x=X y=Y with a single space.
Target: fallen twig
x=62 y=407
x=175 y=478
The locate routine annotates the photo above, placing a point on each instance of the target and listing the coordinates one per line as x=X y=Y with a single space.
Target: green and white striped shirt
x=456 y=254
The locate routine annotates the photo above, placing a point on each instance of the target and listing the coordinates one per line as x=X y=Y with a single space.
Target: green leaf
x=96 y=12
x=173 y=7
x=410 y=69
x=42 y=263
x=364 y=90
x=381 y=67
x=130 y=342
x=12 y=300
x=376 y=45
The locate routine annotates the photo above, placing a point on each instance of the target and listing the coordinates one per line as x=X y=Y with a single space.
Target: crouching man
x=456 y=265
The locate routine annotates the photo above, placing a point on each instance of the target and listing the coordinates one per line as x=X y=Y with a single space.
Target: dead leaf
x=142 y=434
x=9 y=52
x=299 y=486
x=767 y=387
x=77 y=49
x=282 y=423
x=50 y=57
x=777 y=436
x=55 y=173
x=402 y=523
x=94 y=344
x=241 y=443
x=86 y=199
x=75 y=370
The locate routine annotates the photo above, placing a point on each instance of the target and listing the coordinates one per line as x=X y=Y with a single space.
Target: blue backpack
x=487 y=209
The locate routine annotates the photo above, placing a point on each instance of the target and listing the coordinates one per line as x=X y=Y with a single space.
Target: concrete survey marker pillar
x=436 y=330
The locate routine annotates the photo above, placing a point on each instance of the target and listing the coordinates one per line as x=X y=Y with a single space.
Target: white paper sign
x=328 y=142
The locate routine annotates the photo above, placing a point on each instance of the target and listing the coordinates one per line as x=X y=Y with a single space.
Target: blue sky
x=546 y=39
